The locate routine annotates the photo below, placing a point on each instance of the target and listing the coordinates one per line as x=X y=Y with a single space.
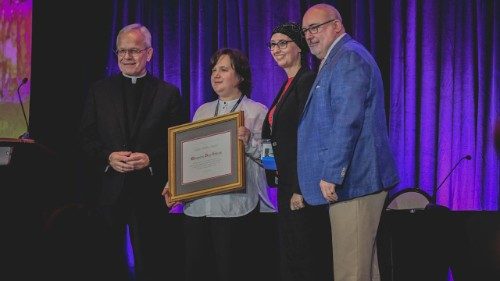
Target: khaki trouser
x=354 y=229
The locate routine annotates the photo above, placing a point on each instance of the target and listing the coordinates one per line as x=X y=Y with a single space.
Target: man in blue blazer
x=344 y=158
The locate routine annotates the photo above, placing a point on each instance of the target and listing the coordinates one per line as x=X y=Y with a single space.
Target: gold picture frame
x=205 y=157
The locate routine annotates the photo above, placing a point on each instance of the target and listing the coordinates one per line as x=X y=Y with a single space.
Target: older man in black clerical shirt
x=124 y=132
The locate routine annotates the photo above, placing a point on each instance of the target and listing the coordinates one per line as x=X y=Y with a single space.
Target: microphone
x=26 y=134
x=432 y=204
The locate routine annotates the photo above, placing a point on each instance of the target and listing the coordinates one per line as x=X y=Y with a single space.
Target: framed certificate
x=205 y=157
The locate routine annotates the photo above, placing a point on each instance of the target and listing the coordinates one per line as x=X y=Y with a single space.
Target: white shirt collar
x=330 y=49
x=226 y=106
x=134 y=78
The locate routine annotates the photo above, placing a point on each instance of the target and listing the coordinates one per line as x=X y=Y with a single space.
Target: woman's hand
x=166 y=194
x=243 y=134
x=296 y=202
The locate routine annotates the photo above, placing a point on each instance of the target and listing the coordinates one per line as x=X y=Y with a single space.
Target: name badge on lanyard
x=267 y=155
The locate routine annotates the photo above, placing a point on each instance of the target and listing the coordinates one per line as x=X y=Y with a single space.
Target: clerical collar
x=134 y=78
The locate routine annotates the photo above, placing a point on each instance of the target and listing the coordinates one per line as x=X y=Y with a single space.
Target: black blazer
x=103 y=131
x=284 y=132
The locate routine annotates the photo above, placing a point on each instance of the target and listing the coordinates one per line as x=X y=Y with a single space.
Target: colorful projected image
x=15 y=65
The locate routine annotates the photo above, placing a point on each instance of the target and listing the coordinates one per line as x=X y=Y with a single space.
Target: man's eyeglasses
x=280 y=44
x=133 y=52
x=314 y=29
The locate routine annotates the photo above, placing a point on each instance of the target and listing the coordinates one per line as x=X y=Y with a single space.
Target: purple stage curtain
x=445 y=97
x=186 y=34
x=439 y=61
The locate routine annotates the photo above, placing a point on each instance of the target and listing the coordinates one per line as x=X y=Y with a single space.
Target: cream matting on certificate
x=206 y=158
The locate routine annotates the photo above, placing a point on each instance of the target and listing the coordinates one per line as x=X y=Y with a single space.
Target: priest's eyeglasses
x=133 y=52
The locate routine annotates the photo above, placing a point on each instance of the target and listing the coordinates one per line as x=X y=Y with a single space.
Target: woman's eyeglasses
x=280 y=44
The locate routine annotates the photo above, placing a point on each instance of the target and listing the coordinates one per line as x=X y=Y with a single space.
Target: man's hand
x=328 y=190
x=118 y=161
x=127 y=161
x=138 y=160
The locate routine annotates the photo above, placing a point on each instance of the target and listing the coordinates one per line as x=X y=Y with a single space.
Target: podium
x=24 y=167
x=22 y=148
x=26 y=172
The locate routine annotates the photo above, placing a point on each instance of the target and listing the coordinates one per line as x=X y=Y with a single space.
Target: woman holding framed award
x=217 y=227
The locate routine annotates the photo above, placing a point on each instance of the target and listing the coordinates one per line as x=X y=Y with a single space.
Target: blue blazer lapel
x=306 y=106
x=322 y=71
x=335 y=50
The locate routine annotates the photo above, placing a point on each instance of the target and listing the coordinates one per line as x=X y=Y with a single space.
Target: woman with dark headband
x=303 y=229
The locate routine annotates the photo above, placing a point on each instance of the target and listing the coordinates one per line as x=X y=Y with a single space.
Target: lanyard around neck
x=232 y=109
